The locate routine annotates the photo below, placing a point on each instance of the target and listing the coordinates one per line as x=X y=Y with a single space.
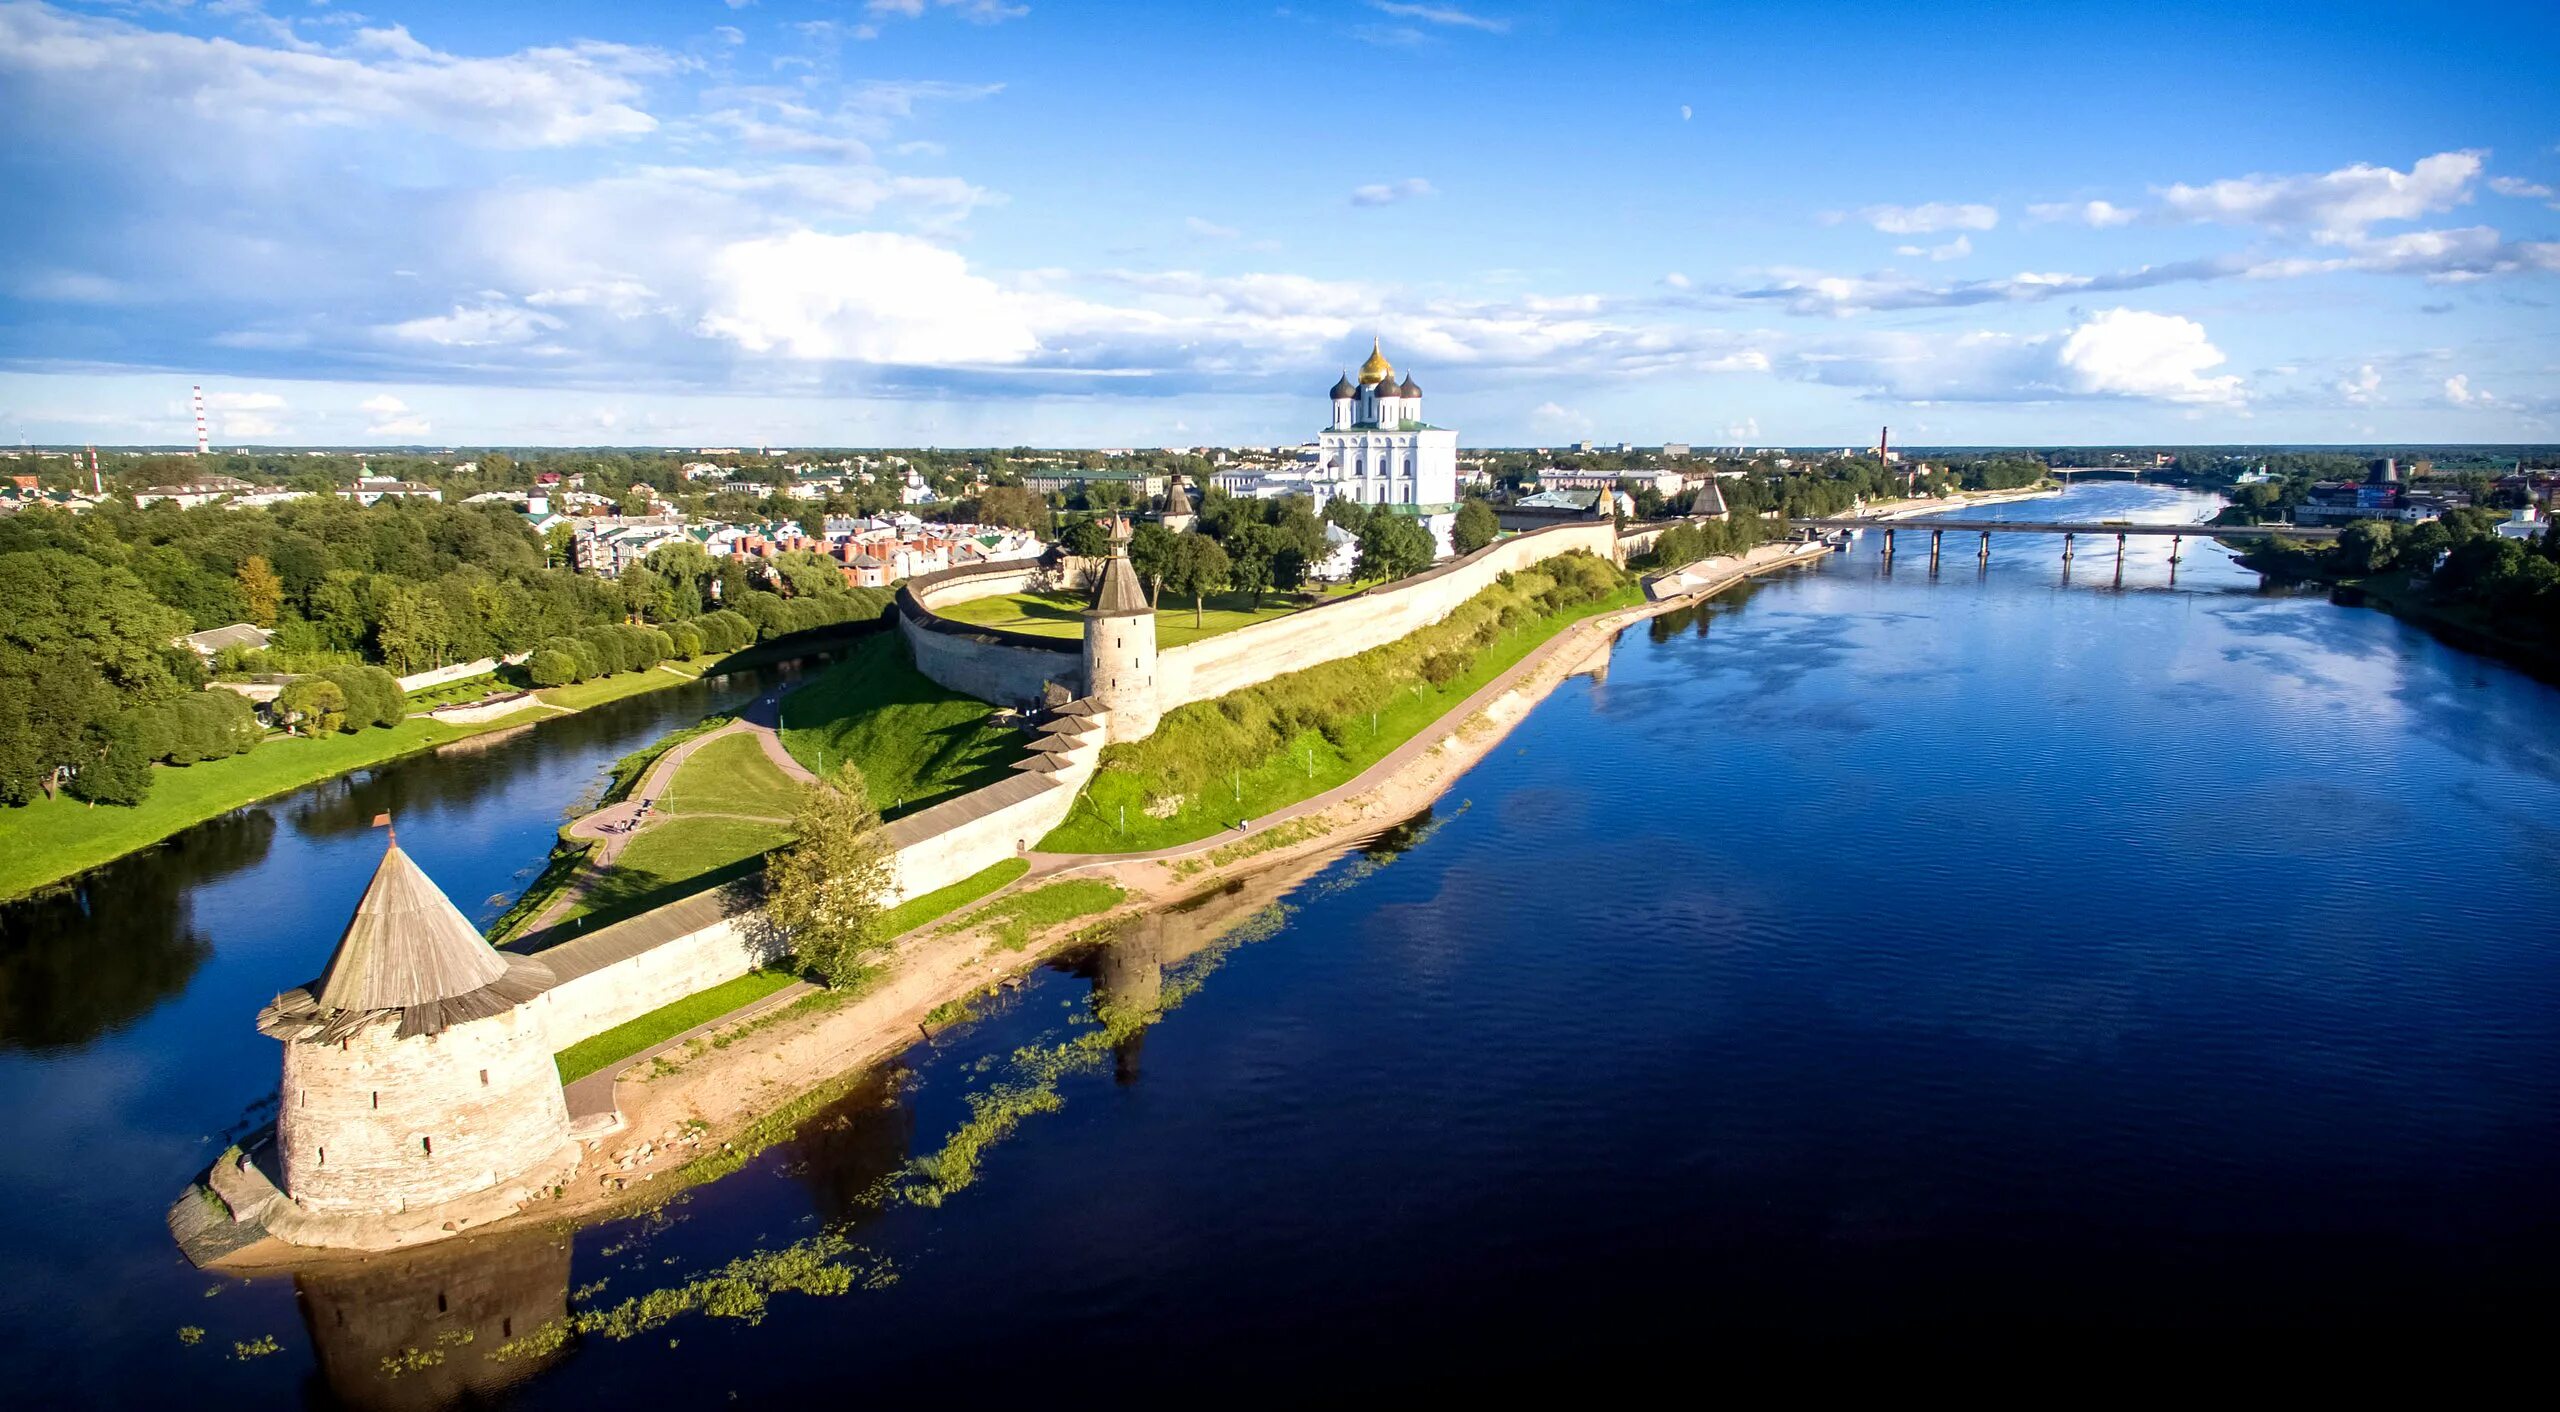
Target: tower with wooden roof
x=417 y=1068
x=1120 y=644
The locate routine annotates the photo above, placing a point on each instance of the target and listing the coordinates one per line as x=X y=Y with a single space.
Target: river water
x=1875 y=956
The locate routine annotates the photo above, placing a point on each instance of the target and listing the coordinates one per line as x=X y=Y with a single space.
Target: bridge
x=2070 y=530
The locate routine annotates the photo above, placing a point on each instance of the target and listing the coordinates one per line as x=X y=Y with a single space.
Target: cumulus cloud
x=1930 y=218
x=2095 y=214
x=2334 y=206
x=1210 y=229
x=1744 y=432
x=1387 y=193
x=1955 y=249
x=388 y=416
x=983 y=12
x=245 y=416
x=2361 y=388
x=494 y=322
x=869 y=298
x=2459 y=391
x=1684 y=112
x=2114 y=354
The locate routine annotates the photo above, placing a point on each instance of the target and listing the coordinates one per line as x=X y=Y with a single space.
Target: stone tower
x=415 y=1070
x=1120 y=644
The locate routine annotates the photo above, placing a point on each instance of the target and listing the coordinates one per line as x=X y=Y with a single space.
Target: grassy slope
x=731 y=775
x=665 y=1023
x=580 y=695
x=52 y=839
x=916 y=743
x=1062 y=615
x=677 y=858
x=1016 y=917
x=941 y=902
x=1133 y=776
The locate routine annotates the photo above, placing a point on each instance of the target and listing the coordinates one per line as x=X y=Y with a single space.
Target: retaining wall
x=990 y=664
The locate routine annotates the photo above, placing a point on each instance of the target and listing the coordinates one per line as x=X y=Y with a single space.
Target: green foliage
x=825 y=892
x=201 y=725
x=1689 y=541
x=373 y=696
x=1196 y=568
x=312 y=706
x=551 y=667
x=1477 y=526
x=1393 y=547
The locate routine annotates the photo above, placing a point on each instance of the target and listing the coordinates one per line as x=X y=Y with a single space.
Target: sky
x=980 y=222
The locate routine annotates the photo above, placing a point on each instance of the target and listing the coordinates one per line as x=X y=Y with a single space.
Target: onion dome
x=1342 y=389
x=1410 y=389
x=1375 y=370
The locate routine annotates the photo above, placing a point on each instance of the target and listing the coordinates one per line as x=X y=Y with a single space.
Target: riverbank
x=53 y=841
x=698 y=1115
x=2461 y=626
x=1966 y=500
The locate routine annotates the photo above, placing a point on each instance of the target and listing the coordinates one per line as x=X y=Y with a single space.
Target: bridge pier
x=2175 y=552
x=2119 y=547
x=2067 y=537
x=1986 y=546
x=1888 y=544
x=1934 y=537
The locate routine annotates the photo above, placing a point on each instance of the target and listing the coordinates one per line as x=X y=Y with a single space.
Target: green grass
x=1062 y=614
x=1016 y=918
x=731 y=775
x=676 y=859
x=1252 y=752
x=578 y=696
x=941 y=902
x=52 y=839
x=467 y=689
x=665 y=1023
x=916 y=743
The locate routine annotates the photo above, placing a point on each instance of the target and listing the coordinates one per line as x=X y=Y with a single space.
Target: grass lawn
x=677 y=859
x=665 y=1023
x=916 y=743
x=731 y=775
x=1113 y=816
x=943 y=901
x=467 y=689
x=52 y=839
x=578 y=696
x=1062 y=614
x=1015 y=918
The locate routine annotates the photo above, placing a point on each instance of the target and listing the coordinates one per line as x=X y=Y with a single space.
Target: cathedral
x=1379 y=450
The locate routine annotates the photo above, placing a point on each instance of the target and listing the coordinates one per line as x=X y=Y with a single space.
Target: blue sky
x=963 y=222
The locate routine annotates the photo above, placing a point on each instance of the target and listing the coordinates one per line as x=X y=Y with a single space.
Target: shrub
x=551 y=667
x=373 y=696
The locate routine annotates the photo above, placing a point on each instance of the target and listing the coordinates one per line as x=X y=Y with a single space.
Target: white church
x=1379 y=451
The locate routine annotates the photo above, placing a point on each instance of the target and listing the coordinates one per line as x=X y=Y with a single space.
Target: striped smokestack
x=203 y=443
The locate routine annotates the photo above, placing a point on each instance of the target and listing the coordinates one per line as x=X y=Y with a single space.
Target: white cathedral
x=1379 y=451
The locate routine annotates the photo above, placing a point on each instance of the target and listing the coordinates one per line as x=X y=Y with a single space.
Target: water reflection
x=425 y=1330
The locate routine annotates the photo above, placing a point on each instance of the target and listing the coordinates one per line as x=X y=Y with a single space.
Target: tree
x=1087 y=539
x=1012 y=505
x=1198 y=567
x=1350 y=514
x=312 y=706
x=2364 y=547
x=551 y=667
x=1393 y=547
x=1477 y=526
x=261 y=592
x=556 y=542
x=825 y=891
x=119 y=772
x=1151 y=551
x=1250 y=556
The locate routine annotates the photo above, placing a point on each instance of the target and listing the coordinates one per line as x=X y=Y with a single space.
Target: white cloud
x=245 y=416
x=2459 y=391
x=1684 y=112
x=869 y=298
x=1449 y=16
x=2129 y=353
x=1744 y=432
x=1676 y=280
x=388 y=416
x=2098 y=214
x=1930 y=218
x=384 y=405
x=1384 y=193
x=983 y=12
x=243 y=402
x=1955 y=249
x=490 y=323
x=2332 y=206
x=2361 y=388
x=1210 y=229
x=552 y=96
x=2116 y=353
x=2528 y=190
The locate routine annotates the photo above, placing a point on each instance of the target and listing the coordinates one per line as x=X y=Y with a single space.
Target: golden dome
x=1376 y=369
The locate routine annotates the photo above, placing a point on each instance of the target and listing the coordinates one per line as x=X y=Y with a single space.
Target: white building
x=1379 y=451
x=370 y=490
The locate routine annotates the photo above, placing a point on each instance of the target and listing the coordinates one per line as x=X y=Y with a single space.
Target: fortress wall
x=1235 y=660
x=951 y=841
x=667 y=972
x=990 y=664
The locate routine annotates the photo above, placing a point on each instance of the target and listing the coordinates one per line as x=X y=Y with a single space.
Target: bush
x=121 y=773
x=551 y=667
x=374 y=697
x=311 y=706
x=687 y=639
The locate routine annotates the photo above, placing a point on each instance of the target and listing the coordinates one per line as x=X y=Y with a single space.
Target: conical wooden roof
x=1119 y=594
x=1709 y=501
x=408 y=950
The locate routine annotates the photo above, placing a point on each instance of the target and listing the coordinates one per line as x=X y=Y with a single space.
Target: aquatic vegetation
x=190 y=1335
x=258 y=1347
x=825 y=1264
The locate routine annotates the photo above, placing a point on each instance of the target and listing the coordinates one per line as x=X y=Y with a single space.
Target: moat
x=1871 y=954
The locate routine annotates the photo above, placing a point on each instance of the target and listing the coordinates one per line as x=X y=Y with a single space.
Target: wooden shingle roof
x=408 y=950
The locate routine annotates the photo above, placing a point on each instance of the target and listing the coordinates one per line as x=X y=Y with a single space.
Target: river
x=1873 y=955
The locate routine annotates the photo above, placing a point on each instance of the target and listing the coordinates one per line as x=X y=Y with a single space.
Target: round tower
x=1120 y=644
x=415 y=1072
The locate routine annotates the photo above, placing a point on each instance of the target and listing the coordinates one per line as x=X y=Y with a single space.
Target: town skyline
x=912 y=224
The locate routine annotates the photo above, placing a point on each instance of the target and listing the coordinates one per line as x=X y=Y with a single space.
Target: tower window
x=427 y=1145
x=377 y=1098
x=324 y=1157
x=484 y=1078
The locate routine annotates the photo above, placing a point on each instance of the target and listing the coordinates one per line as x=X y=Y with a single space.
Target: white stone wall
x=981 y=662
x=662 y=975
x=378 y=1125
x=1234 y=660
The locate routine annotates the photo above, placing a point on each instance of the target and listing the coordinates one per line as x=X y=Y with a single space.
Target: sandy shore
x=703 y=1099
x=1906 y=509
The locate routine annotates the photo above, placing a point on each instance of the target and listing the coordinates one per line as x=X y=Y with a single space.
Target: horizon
x=935 y=222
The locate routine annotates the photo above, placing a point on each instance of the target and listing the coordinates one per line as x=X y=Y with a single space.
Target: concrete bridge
x=2070 y=530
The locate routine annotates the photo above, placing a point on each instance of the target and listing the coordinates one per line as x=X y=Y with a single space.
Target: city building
x=190 y=494
x=369 y=490
x=2379 y=496
x=1380 y=452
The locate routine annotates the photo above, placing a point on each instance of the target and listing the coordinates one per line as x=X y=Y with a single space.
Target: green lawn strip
x=674 y=859
x=1017 y=917
x=1195 y=755
x=578 y=696
x=1062 y=615
x=665 y=1023
x=916 y=743
x=731 y=775
x=467 y=689
x=52 y=839
x=942 y=901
